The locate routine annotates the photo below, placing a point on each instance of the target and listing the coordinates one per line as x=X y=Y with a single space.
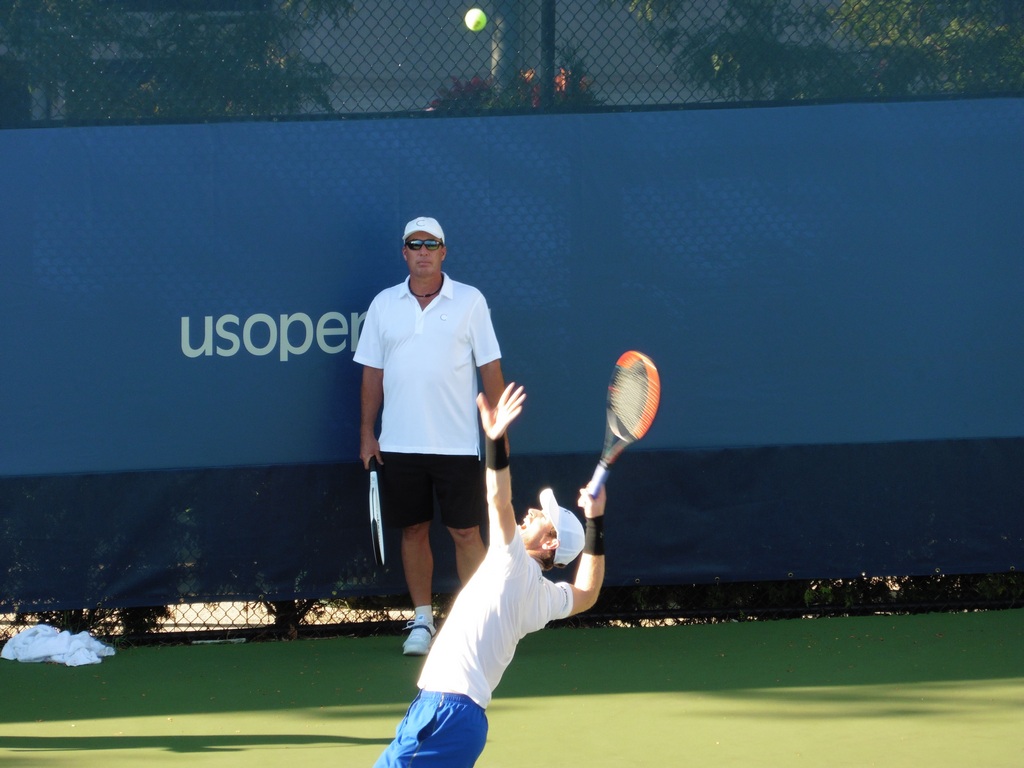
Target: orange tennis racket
x=633 y=396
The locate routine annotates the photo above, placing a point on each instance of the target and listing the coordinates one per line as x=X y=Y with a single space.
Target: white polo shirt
x=430 y=359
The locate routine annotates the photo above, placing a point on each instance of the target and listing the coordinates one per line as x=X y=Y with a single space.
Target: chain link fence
x=628 y=606
x=72 y=62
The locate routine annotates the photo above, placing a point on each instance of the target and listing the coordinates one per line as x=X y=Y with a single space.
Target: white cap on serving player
x=567 y=526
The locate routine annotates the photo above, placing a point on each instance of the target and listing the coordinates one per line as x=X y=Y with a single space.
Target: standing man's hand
x=369 y=448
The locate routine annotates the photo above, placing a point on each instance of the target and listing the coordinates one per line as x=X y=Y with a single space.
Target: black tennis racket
x=376 y=523
x=633 y=396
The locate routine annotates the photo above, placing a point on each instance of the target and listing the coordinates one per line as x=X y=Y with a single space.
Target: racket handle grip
x=600 y=475
x=373 y=463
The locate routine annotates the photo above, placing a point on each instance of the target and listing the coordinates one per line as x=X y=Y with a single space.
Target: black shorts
x=410 y=481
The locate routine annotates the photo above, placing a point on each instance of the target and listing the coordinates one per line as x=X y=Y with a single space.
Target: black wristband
x=495 y=454
x=593 y=543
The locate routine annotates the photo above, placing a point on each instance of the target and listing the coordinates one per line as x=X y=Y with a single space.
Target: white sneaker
x=421 y=634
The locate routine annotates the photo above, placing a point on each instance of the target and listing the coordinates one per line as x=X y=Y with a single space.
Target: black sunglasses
x=415 y=245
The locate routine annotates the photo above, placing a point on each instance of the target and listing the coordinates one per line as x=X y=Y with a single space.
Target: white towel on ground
x=45 y=643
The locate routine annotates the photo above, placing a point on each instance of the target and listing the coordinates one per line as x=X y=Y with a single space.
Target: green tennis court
x=929 y=690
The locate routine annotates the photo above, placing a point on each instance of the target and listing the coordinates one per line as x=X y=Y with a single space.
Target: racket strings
x=633 y=398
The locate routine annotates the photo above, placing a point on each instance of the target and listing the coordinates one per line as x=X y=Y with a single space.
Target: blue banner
x=189 y=296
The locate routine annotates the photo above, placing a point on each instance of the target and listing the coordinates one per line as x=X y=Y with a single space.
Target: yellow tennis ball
x=476 y=19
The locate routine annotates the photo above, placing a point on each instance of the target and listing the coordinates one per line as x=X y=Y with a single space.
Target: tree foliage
x=116 y=60
x=809 y=49
x=912 y=47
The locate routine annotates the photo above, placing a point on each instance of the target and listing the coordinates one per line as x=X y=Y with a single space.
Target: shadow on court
x=179 y=744
x=768 y=690
x=357 y=673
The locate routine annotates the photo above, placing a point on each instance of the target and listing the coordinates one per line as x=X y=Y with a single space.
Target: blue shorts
x=446 y=730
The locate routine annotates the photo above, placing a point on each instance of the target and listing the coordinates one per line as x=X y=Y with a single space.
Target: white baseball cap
x=424 y=224
x=567 y=526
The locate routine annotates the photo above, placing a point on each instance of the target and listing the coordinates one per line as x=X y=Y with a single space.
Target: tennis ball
x=476 y=19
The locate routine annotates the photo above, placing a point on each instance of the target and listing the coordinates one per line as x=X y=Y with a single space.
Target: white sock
x=426 y=612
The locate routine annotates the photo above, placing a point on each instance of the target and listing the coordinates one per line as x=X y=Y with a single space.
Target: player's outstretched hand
x=496 y=420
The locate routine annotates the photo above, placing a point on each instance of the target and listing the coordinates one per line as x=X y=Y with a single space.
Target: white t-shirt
x=507 y=598
x=430 y=359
